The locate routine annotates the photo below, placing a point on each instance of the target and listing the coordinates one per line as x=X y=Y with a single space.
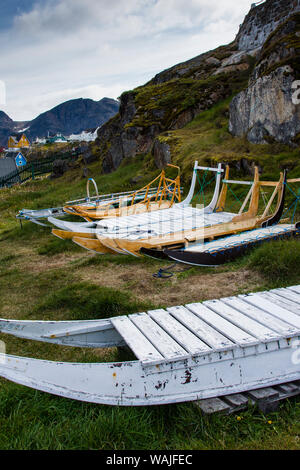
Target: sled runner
x=202 y=350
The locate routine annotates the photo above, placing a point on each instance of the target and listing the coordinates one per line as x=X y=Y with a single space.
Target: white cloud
x=102 y=47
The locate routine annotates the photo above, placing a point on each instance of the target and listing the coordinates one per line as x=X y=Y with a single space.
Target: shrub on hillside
x=277 y=260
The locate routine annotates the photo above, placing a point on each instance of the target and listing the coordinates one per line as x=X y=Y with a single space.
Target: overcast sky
x=56 y=50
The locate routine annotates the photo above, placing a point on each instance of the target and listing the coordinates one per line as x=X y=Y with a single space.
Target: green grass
x=57 y=246
x=36 y=421
x=277 y=261
x=83 y=301
x=45 y=278
x=207 y=139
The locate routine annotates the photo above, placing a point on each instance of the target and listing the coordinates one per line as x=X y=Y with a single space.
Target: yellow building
x=14 y=142
x=23 y=142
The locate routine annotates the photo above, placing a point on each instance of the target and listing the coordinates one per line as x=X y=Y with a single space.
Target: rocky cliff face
x=257 y=67
x=266 y=111
x=262 y=20
x=169 y=102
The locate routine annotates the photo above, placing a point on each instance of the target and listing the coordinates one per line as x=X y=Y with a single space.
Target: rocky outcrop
x=148 y=111
x=174 y=97
x=58 y=169
x=262 y=20
x=266 y=111
x=162 y=153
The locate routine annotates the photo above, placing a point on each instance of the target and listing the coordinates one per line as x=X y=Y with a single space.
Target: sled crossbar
x=248 y=183
x=204 y=168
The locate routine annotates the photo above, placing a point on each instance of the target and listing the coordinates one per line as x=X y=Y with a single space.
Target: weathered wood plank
x=225 y=327
x=281 y=327
x=212 y=405
x=204 y=331
x=281 y=301
x=273 y=309
x=242 y=321
x=158 y=337
x=188 y=340
x=288 y=294
x=263 y=394
x=238 y=401
x=137 y=342
x=266 y=399
x=288 y=389
x=295 y=289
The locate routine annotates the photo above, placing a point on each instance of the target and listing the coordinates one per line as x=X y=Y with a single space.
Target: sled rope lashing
x=245 y=196
x=167 y=187
x=296 y=201
x=264 y=198
x=168 y=272
x=203 y=185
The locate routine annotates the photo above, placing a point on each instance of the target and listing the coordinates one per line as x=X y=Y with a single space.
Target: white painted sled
x=88 y=202
x=199 y=351
x=179 y=217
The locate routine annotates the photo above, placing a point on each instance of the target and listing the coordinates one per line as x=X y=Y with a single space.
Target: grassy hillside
x=207 y=139
x=44 y=278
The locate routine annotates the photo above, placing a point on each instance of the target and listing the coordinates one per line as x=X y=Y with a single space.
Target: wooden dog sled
x=199 y=351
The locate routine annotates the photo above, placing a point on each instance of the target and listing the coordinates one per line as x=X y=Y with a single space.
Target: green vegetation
x=162 y=104
x=208 y=140
x=277 y=261
x=56 y=246
x=286 y=36
x=84 y=301
x=40 y=422
x=42 y=277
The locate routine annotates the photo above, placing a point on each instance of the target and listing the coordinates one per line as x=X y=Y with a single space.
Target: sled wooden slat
x=188 y=340
x=281 y=301
x=273 y=309
x=295 y=289
x=180 y=355
x=139 y=344
x=249 y=325
x=225 y=327
x=204 y=331
x=288 y=294
x=162 y=342
x=261 y=316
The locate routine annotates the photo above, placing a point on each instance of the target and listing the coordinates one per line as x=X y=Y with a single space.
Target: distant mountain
x=71 y=117
x=5 y=120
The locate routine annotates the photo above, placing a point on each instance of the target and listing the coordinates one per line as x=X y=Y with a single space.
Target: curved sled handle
x=281 y=191
x=88 y=188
